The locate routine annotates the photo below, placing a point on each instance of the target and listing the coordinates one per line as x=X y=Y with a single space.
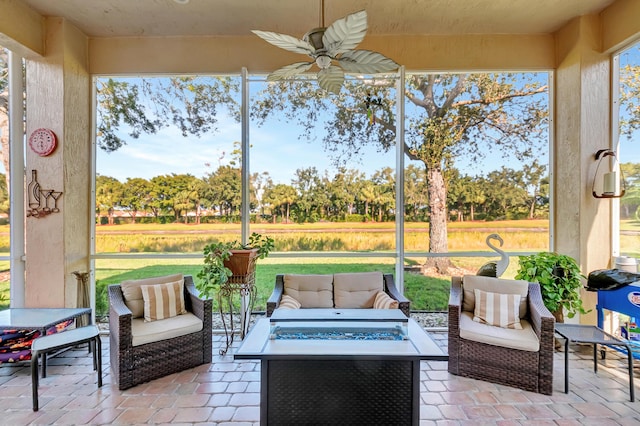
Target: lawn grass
x=426 y=293
x=4 y=295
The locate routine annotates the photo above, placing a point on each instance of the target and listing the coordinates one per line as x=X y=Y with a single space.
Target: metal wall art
x=41 y=202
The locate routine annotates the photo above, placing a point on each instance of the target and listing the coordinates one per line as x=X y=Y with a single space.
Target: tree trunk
x=532 y=210
x=438 y=221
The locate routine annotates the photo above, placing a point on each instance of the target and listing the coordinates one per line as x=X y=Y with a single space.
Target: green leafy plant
x=560 y=281
x=263 y=243
x=215 y=272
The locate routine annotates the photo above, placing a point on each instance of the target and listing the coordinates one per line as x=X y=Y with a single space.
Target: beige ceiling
x=123 y=18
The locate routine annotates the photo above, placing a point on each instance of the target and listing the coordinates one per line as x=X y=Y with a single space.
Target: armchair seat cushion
x=143 y=332
x=525 y=339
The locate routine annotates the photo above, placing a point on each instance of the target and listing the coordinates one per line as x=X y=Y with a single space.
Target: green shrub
x=354 y=218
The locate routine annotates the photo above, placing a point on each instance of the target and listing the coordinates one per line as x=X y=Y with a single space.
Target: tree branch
x=501 y=98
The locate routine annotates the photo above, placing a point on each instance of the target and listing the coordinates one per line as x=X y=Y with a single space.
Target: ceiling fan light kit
x=326 y=45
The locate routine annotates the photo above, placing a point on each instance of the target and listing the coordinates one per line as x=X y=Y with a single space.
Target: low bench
x=54 y=342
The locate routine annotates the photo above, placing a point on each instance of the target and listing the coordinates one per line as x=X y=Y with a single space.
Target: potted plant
x=223 y=260
x=560 y=281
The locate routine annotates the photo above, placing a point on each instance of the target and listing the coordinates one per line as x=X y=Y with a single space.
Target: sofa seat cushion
x=525 y=339
x=132 y=291
x=312 y=291
x=144 y=332
x=356 y=290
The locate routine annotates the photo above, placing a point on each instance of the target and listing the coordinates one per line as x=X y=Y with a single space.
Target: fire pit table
x=339 y=366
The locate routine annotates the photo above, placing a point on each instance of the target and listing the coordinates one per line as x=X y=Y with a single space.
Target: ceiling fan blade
x=331 y=79
x=286 y=42
x=345 y=34
x=289 y=71
x=366 y=62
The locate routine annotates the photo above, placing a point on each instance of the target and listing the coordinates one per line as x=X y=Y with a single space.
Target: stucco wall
x=582 y=126
x=58 y=93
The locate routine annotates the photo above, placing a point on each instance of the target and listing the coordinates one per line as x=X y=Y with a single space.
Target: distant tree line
x=348 y=195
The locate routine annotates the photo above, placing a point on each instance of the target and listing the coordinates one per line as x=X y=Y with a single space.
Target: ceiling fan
x=326 y=45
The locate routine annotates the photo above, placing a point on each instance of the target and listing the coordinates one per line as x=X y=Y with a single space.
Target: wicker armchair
x=132 y=365
x=528 y=370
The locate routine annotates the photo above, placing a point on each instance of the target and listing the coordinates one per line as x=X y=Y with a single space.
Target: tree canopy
x=450 y=116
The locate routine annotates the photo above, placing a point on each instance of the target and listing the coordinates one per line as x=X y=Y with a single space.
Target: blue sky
x=274 y=148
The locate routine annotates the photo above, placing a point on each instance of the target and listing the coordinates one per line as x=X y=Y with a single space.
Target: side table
x=579 y=333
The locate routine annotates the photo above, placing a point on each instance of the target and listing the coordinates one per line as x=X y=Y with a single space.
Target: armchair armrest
x=202 y=308
x=542 y=321
x=455 y=311
x=455 y=306
x=276 y=295
x=390 y=288
x=119 y=317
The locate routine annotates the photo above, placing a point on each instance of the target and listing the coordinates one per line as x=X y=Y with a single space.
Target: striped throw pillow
x=163 y=301
x=497 y=309
x=384 y=301
x=288 y=302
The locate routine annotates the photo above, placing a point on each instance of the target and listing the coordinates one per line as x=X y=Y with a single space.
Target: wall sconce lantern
x=612 y=185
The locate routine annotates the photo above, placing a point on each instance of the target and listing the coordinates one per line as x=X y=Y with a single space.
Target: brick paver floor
x=227 y=392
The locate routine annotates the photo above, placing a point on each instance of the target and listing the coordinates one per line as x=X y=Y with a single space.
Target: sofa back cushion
x=132 y=292
x=356 y=290
x=493 y=285
x=312 y=291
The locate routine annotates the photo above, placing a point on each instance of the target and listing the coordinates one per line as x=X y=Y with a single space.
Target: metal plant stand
x=237 y=296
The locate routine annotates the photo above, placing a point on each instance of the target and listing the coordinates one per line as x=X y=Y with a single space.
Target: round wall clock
x=42 y=142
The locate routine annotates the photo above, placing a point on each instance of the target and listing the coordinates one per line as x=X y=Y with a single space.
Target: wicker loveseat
x=146 y=350
x=521 y=358
x=344 y=290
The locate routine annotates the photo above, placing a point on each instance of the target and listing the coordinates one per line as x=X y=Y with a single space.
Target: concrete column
x=582 y=127
x=59 y=98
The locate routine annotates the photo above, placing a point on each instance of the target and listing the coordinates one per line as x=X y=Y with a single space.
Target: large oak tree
x=448 y=116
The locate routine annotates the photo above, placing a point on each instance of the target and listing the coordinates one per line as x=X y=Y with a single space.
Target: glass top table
x=39 y=318
x=591 y=334
x=416 y=342
x=332 y=379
